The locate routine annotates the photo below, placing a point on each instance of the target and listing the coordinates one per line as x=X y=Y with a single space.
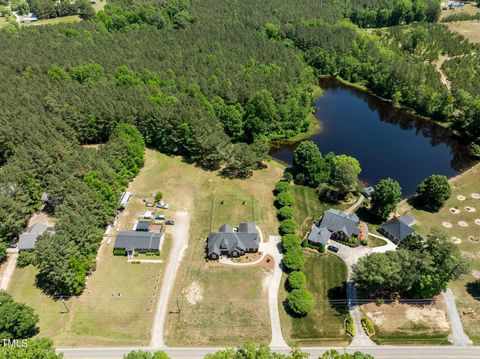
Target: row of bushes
x=350 y=326
x=368 y=326
x=300 y=300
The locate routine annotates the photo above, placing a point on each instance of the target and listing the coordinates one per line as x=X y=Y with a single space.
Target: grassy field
x=326 y=275
x=469 y=29
x=3 y=21
x=308 y=207
x=57 y=20
x=399 y=323
x=464 y=289
x=207 y=307
x=375 y=242
x=116 y=308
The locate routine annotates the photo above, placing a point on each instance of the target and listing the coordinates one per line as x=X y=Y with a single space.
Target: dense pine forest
x=213 y=81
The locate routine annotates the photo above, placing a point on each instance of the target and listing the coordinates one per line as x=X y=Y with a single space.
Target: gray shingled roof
x=227 y=240
x=27 y=241
x=319 y=235
x=335 y=220
x=134 y=240
x=143 y=226
x=397 y=229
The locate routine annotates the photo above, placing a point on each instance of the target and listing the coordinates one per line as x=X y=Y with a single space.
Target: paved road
x=379 y=352
x=179 y=234
x=458 y=336
x=7 y=274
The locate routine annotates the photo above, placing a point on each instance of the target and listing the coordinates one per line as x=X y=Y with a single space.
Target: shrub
x=368 y=326
x=300 y=301
x=350 y=326
x=25 y=259
x=288 y=226
x=285 y=213
x=297 y=280
x=290 y=242
x=284 y=199
x=119 y=252
x=282 y=186
x=294 y=260
x=287 y=177
x=158 y=196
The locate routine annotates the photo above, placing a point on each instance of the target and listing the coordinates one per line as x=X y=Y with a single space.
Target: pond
x=387 y=141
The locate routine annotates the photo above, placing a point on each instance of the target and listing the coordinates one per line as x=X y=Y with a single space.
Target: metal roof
x=134 y=240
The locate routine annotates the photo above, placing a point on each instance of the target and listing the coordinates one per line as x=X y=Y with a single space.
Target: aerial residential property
x=233 y=242
x=214 y=179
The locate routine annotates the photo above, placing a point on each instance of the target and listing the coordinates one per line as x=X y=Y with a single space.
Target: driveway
x=458 y=336
x=8 y=273
x=179 y=234
x=351 y=256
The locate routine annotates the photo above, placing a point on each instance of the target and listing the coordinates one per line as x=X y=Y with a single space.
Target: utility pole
x=65 y=305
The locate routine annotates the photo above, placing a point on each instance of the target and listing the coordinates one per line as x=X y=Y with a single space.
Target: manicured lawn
x=308 y=207
x=237 y=208
x=326 y=275
x=217 y=305
x=375 y=242
x=464 y=289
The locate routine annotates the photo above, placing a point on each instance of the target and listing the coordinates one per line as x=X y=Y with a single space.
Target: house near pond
x=233 y=242
x=398 y=228
x=27 y=241
x=336 y=225
x=131 y=242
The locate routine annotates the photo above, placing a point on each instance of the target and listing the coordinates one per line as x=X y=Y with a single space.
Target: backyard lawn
x=461 y=225
x=326 y=275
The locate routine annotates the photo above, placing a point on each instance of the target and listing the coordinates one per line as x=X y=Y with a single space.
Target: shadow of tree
x=366 y=215
x=473 y=288
x=337 y=298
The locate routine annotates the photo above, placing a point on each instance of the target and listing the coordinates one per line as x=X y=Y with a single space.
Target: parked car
x=162 y=205
x=333 y=249
x=170 y=222
x=149 y=204
x=159 y=217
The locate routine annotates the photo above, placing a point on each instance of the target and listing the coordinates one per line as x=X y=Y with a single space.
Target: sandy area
x=193 y=293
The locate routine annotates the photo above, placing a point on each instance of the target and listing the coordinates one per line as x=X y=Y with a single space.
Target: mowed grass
x=465 y=289
x=57 y=20
x=116 y=308
x=214 y=304
x=326 y=275
x=469 y=29
x=308 y=207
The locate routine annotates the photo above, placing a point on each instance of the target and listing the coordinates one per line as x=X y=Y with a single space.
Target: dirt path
x=443 y=77
x=8 y=273
x=357 y=204
x=179 y=234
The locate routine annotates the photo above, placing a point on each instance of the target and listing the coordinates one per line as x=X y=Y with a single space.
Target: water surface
x=386 y=140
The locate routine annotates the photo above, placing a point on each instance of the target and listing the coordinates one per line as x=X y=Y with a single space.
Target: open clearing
x=326 y=275
x=99 y=5
x=400 y=323
x=213 y=304
x=57 y=20
x=466 y=288
x=469 y=29
x=467 y=9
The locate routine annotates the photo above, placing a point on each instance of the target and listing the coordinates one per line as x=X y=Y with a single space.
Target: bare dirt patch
x=40 y=218
x=475 y=195
x=193 y=293
x=468 y=29
x=432 y=316
x=454 y=210
x=455 y=240
x=477 y=221
x=447 y=224
x=461 y=197
x=476 y=274
x=470 y=209
x=462 y=224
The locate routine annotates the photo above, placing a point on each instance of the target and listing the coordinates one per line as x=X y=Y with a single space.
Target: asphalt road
x=379 y=352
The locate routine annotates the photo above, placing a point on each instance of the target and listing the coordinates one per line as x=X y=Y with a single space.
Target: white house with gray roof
x=233 y=242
